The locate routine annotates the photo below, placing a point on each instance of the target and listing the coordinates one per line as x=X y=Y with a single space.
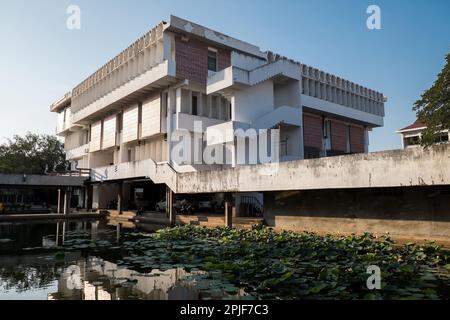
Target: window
x=194 y=105
x=327 y=134
x=412 y=141
x=349 y=144
x=120 y=122
x=139 y=194
x=284 y=147
x=214 y=107
x=443 y=137
x=212 y=60
x=130 y=155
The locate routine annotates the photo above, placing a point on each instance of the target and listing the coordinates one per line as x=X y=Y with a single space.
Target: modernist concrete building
x=121 y=121
x=411 y=135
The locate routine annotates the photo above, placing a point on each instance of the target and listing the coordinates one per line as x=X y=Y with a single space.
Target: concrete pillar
x=171 y=108
x=58 y=209
x=366 y=140
x=118 y=231
x=63 y=235
x=167 y=202
x=94 y=229
x=172 y=212
x=65 y=211
x=57 y=233
x=89 y=199
x=228 y=211
x=120 y=197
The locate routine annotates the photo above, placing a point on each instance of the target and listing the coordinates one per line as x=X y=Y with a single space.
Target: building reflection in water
x=77 y=277
x=97 y=279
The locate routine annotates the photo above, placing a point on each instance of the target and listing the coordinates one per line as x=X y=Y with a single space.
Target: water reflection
x=34 y=264
x=97 y=279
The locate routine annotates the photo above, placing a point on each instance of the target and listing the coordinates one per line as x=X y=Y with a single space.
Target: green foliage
x=32 y=154
x=60 y=255
x=433 y=108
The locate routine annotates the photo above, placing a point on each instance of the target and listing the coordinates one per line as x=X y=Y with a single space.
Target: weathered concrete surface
x=396 y=168
x=41 y=180
x=413 y=213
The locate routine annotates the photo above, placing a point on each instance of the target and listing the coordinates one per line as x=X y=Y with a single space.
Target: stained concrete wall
x=405 y=212
x=395 y=168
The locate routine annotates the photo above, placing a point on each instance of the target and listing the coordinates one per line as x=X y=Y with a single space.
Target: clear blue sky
x=40 y=59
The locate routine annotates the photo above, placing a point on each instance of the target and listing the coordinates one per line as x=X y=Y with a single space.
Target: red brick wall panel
x=224 y=59
x=356 y=139
x=339 y=136
x=192 y=59
x=312 y=131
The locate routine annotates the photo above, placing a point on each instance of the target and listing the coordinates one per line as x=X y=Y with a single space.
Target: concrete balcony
x=159 y=173
x=125 y=170
x=281 y=115
x=224 y=132
x=227 y=81
x=64 y=125
x=186 y=121
x=280 y=69
x=128 y=93
x=233 y=78
x=77 y=153
x=62 y=103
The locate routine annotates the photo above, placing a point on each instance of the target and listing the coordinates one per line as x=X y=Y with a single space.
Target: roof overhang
x=183 y=26
x=62 y=103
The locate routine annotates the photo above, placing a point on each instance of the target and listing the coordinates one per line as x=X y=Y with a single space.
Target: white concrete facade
x=122 y=121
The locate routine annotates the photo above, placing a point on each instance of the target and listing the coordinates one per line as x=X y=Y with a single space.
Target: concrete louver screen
x=130 y=124
x=151 y=117
x=109 y=132
x=96 y=136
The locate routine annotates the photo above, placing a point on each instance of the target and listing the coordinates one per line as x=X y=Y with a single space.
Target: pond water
x=58 y=260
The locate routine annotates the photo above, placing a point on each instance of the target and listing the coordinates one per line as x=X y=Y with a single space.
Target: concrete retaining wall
x=414 y=213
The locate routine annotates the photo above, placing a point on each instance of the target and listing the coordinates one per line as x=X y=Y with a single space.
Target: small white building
x=411 y=135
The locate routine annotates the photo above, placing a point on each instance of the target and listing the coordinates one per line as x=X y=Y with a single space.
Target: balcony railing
x=228 y=79
x=78 y=152
x=186 y=121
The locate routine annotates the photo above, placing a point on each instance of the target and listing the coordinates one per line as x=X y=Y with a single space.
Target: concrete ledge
x=41 y=180
x=50 y=216
x=210 y=221
x=126 y=215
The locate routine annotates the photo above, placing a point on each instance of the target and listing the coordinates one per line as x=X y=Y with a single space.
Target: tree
x=433 y=108
x=32 y=154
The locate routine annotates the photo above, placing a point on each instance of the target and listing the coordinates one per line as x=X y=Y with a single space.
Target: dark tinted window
x=194 y=105
x=212 y=60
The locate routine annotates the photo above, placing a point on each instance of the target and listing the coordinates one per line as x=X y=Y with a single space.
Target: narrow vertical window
x=212 y=60
x=349 y=140
x=327 y=133
x=194 y=105
x=129 y=155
